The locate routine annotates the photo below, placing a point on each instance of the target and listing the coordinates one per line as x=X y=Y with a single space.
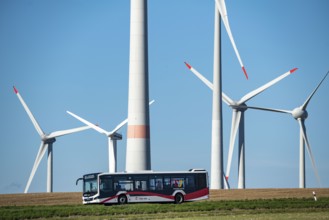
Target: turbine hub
x=299 y=113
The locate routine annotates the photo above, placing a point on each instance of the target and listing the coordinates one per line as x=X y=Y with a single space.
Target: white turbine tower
x=217 y=163
x=47 y=141
x=138 y=153
x=239 y=107
x=300 y=114
x=113 y=136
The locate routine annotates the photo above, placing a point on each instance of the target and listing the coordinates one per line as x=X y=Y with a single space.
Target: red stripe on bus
x=197 y=194
x=110 y=198
x=187 y=197
x=150 y=194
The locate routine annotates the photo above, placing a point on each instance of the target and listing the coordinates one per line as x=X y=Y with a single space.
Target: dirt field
x=243 y=194
x=34 y=199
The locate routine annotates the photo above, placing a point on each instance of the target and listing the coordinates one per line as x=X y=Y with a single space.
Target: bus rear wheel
x=122 y=200
x=179 y=198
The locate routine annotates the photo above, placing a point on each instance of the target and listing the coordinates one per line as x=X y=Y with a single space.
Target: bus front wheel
x=179 y=198
x=122 y=199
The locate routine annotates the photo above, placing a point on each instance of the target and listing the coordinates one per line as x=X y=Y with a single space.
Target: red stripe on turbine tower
x=138 y=131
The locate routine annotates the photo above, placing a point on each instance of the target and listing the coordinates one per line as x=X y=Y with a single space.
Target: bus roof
x=156 y=172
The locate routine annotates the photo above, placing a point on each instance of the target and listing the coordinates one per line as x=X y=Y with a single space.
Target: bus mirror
x=76 y=183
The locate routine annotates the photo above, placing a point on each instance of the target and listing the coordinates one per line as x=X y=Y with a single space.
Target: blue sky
x=73 y=55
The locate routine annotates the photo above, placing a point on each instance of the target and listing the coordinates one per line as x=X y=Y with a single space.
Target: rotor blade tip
x=226 y=177
x=15 y=90
x=245 y=72
x=293 y=70
x=188 y=65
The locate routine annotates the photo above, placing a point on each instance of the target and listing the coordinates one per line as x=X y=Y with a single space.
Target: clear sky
x=74 y=55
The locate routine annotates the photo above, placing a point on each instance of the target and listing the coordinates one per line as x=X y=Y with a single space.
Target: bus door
x=106 y=186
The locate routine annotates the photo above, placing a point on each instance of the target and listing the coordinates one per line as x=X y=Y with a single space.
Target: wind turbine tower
x=138 y=155
x=217 y=124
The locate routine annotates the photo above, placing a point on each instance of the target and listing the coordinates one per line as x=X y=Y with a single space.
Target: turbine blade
x=200 y=76
x=236 y=116
x=303 y=129
x=304 y=106
x=29 y=113
x=68 y=131
x=225 y=98
x=100 y=130
x=226 y=183
x=119 y=126
x=41 y=152
x=222 y=10
x=264 y=87
x=268 y=109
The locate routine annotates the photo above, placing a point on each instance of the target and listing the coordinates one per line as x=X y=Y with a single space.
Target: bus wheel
x=122 y=199
x=179 y=198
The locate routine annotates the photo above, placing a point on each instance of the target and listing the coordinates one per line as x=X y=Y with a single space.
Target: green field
x=246 y=209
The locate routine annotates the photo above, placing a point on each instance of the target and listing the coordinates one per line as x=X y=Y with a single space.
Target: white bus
x=148 y=186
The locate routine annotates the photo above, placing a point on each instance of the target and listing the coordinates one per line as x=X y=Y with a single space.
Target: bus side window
x=166 y=182
x=201 y=181
x=141 y=183
x=159 y=184
x=190 y=182
x=156 y=183
x=177 y=182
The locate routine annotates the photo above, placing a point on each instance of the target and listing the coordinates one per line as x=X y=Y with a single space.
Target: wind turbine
x=300 y=114
x=47 y=141
x=113 y=136
x=239 y=107
x=217 y=172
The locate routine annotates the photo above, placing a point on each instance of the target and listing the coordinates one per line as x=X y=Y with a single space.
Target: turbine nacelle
x=115 y=136
x=239 y=107
x=47 y=140
x=299 y=113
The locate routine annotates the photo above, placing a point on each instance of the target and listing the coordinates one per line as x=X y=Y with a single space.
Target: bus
x=145 y=186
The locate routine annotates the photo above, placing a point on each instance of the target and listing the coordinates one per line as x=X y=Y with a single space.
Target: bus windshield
x=90 y=185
